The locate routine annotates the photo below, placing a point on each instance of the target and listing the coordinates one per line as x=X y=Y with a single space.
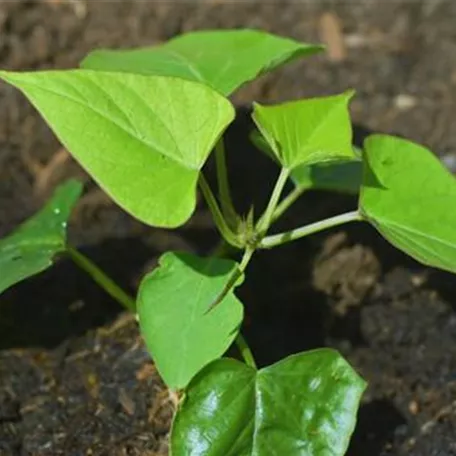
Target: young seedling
x=142 y=123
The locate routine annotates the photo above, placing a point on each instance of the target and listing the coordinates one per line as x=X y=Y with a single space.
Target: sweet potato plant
x=142 y=123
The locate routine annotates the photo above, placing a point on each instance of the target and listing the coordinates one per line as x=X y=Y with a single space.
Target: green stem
x=245 y=351
x=266 y=218
x=246 y=259
x=233 y=279
x=287 y=202
x=241 y=343
x=282 y=238
x=217 y=215
x=102 y=279
x=223 y=185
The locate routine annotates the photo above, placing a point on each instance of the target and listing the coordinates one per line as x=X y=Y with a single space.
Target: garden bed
x=74 y=374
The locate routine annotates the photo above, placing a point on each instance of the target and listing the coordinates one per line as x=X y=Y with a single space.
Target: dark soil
x=75 y=378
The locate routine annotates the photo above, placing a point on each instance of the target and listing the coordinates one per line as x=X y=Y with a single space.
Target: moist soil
x=75 y=378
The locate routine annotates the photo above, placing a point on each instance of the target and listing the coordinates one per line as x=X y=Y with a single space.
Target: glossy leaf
x=342 y=177
x=33 y=246
x=307 y=131
x=305 y=404
x=173 y=302
x=222 y=59
x=142 y=138
x=409 y=196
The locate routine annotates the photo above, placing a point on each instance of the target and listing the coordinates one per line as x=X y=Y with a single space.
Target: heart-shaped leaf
x=143 y=139
x=222 y=59
x=33 y=246
x=307 y=131
x=305 y=404
x=409 y=196
x=173 y=302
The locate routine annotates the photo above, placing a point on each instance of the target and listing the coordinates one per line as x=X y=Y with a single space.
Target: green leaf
x=305 y=404
x=222 y=59
x=307 y=131
x=173 y=302
x=409 y=196
x=33 y=246
x=143 y=139
x=342 y=177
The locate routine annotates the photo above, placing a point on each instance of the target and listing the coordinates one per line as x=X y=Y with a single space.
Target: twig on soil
x=123 y=320
x=429 y=425
x=331 y=34
x=45 y=172
x=443 y=412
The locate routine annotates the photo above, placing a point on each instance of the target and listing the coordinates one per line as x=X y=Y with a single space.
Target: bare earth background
x=75 y=378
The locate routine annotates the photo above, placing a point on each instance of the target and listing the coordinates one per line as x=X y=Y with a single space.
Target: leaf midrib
x=32 y=243
x=184 y=59
x=103 y=115
x=307 y=143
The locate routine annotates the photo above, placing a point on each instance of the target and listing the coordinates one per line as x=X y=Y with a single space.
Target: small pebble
x=405 y=102
x=413 y=407
x=449 y=160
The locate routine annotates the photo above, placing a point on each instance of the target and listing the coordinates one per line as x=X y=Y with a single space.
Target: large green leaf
x=409 y=196
x=305 y=404
x=173 y=302
x=142 y=138
x=342 y=177
x=222 y=59
x=307 y=131
x=33 y=246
